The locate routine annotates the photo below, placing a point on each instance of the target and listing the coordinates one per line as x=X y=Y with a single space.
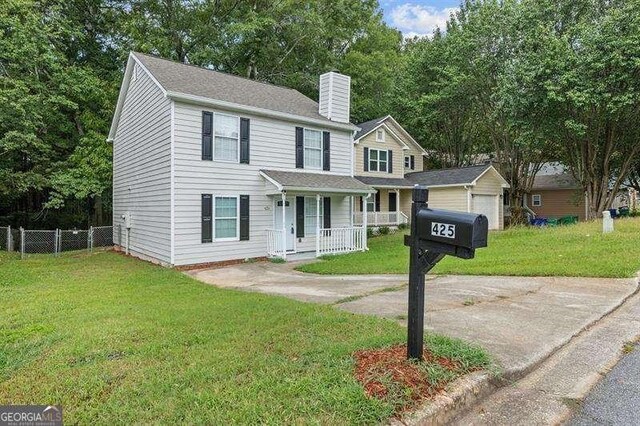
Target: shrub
x=403 y=226
x=276 y=260
x=370 y=233
x=383 y=230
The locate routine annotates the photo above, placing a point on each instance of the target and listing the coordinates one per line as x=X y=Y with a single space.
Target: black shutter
x=393 y=204
x=390 y=161
x=245 y=128
x=299 y=148
x=327 y=211
x=326 y=151
x=361 y=202
x=413 y=162
x=244 y=218
x=366 y=159
x=300 y=217
x=207 y=136
x=207 y=209
x=378 y=200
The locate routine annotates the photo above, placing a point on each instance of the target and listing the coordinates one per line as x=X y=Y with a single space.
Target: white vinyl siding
x=142 y=170
x=272 y=147
x=312 y=149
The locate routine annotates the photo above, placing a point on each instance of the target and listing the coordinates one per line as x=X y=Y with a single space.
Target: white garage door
x=488 y=206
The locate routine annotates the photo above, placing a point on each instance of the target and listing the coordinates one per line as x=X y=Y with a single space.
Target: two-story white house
x=209 y=167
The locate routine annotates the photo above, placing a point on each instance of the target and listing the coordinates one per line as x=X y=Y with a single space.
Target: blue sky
x=418 y=17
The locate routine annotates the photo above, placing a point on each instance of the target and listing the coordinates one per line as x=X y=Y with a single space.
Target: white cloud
x=415 y=20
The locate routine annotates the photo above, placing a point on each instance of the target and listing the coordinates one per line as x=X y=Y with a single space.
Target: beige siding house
x=391 y=161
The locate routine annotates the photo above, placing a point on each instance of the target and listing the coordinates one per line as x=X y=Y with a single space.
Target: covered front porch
x=386 y=207
x=311 y=212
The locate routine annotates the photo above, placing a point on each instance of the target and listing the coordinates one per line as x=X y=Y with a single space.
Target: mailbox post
x=435 y=234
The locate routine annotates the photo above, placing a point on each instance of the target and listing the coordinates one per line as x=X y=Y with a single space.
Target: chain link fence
x=29 y=242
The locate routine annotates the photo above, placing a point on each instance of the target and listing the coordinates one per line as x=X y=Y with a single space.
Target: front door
x=290 y=230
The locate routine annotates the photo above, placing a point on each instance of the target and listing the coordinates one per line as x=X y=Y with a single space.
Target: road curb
x=466 y=392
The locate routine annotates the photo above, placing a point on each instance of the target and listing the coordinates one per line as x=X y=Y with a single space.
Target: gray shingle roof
x=453 y=176
x=197 y=81
x=562 y=181
x=302 y=181
x=382 y=181
x=367 y=126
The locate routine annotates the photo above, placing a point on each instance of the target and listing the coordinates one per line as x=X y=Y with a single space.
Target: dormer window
x=380 y=135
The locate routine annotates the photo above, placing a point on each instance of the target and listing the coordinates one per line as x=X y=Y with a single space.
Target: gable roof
x=195 y=84
x=559 y=181
x=458 y=176
x=371 y=125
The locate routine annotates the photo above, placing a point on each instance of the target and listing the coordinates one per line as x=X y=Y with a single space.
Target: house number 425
x=445 y=230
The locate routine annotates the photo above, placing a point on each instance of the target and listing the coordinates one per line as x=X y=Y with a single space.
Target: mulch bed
x=386 y=373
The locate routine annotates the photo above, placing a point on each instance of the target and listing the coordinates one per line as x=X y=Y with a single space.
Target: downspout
x=468 y=189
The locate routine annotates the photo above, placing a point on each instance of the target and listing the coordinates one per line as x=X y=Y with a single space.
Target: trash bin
x=614 y=213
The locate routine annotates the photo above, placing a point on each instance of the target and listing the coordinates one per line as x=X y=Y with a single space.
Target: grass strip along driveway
x=114 y=339
x=573 y=251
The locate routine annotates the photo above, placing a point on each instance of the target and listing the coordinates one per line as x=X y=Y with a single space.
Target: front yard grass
x=576 y=250
x=117 y=340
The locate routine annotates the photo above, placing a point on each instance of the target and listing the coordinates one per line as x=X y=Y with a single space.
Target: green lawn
x=576 y=250
x=117 y=340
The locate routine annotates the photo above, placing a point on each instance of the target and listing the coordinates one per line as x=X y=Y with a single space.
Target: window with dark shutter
x=207 y=136
x=244 y=218
x=413 y=162
x=390 y=161
x=244 y=140
x=300 y=217
x=207 y=209
x=299 y=148
x=326 y=151
x=326 y=211
x=366 y=159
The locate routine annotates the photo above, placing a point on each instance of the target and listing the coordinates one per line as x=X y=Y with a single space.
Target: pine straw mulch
x=386 y=374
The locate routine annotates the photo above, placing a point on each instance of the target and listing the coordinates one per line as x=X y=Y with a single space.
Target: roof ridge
x=452 y=168
x=266 y=83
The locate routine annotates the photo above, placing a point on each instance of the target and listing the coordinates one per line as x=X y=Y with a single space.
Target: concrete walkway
x=520 y=321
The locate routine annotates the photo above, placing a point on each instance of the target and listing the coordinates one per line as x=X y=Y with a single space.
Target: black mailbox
x=449 y=232
x=435 y=234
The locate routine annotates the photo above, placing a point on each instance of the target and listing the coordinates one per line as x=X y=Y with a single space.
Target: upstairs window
x=407 y=162
x=377 y=160
x=312 y=149
x=227 y=137
x=380 y=135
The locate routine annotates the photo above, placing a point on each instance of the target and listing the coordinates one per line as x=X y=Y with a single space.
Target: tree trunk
x=97 y=210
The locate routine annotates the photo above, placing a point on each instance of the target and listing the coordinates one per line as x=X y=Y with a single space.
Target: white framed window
x=407 y=162
x=380 y=135
x=226 y=143
x=378 y=160
x=226 y=218
x=310 y=215
x=312 y=149
x=536 y=200
x=371 y=204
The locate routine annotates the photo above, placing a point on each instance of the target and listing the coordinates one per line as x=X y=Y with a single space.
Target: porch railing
x=381 y=218
x=276 y=243
x=340 y=240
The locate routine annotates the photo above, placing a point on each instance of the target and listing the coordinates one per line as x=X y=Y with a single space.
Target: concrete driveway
x=519 y=320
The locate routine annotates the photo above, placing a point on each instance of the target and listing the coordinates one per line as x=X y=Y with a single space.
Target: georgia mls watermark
x=30 y=415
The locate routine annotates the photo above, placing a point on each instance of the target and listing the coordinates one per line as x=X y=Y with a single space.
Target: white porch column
x=364 y=222
x=397 y=206
x=317 y=225
x=284 y=224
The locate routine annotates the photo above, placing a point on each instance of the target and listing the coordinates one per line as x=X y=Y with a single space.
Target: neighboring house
x=210 y=167
x=384 y=153
x=556 y=195
x=391 y=161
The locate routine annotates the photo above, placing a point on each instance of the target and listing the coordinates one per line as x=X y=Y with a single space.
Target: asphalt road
x=616 y=399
